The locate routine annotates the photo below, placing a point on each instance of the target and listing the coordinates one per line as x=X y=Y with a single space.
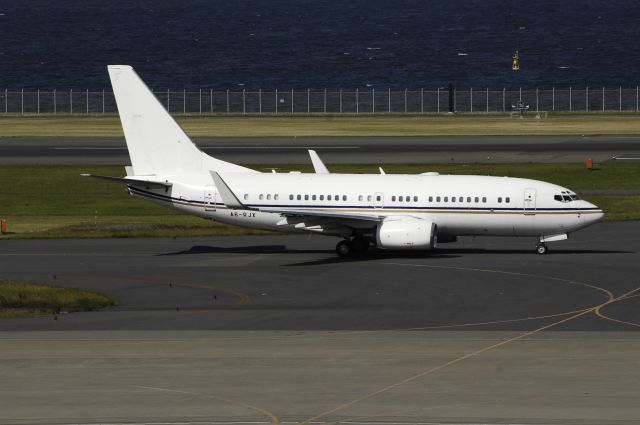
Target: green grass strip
x=21 y=299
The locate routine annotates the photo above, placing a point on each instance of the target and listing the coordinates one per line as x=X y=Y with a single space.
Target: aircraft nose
x=594 y=214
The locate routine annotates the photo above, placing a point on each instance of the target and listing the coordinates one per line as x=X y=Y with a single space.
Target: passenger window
x=407 y=198
x=360 y=198
x=453 y=199
x=437 y=199
x=507 y=199
x=378 y=198
x=336 y=197
x=369 y=198
x=269 y=197
x=344 y=197
x=246 y=196
x=476 y=199
x=313 y=197
x=500 y=200
x=322 y=197
x=393 y=198
x=261 y=197
x=461 y=199
x=446 y=199
x=484 y=199
x=306 y=197
x=400 y=199
x=291 y=197
x=299 y=197
x=469 y=199
x=328 y=197
x=430 y=198
x=415 y=199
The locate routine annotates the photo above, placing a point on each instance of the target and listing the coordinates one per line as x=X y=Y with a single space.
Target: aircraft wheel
x=541 y=248
x=344 y=249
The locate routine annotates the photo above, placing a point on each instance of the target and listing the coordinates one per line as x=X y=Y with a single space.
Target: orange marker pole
x=589 y=164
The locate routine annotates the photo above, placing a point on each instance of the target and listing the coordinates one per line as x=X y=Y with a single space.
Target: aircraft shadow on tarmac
x=376 y=254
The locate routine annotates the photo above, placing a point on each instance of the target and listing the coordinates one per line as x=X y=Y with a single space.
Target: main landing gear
x=352 y=247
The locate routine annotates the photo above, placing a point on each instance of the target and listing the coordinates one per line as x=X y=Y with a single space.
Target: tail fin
x=157 y=144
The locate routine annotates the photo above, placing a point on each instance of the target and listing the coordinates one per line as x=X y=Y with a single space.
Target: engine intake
x=406 y=233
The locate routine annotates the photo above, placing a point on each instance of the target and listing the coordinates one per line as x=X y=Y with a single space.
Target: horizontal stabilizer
x=134 y=182
x=228 y=197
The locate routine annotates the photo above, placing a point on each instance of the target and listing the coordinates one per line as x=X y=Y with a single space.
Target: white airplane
x=388 y=211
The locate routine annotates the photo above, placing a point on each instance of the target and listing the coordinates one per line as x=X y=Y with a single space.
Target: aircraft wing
x=134 y=182
x=347 y=218
x=318 y=165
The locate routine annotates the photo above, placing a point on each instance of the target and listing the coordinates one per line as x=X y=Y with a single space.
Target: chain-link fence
x=357 y=101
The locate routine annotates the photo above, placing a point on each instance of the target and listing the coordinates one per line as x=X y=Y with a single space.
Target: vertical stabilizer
x=157 y=144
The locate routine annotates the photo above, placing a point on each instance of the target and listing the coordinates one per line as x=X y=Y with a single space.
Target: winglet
x=228 y=197
x=318 y=165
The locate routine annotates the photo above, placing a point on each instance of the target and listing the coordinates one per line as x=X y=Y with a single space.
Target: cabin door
x=529 y=206
x=210 y=198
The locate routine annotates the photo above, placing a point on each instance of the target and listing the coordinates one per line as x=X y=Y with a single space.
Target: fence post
x=325 y=101
x=357 y=103
x=586 y=107
x=103 y=101
x=309 y=102
x=87 y=101
x=227 y=101
x=340 y=100
x=38 y=101
x=22 y=101
x=537 y=101
x=244 y=103
x=184 y=101
x=373 y=100
x=570 y=100
x=553 y=98
x=260 y=101
x=276 y=101
x=405 y=101
x=200 y=102
x=71 y=101
x=504 y=107
x=389 y=101
x=487 y=100
x=471 y=99
x=422 y=100
x=55 y=103
x=620 y=99
x=438 y=96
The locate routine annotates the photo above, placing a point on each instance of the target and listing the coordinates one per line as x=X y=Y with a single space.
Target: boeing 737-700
x=389 y=211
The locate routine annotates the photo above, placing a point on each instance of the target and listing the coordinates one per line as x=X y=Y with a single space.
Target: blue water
x=301 y=44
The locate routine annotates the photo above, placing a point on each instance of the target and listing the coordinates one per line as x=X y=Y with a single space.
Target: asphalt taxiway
x=337 y=150
x=276 y=329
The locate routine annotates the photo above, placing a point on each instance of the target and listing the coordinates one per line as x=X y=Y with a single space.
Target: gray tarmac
x=276 y=329
x=337 y=150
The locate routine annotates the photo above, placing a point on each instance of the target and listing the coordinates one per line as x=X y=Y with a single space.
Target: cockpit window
x=566 y=197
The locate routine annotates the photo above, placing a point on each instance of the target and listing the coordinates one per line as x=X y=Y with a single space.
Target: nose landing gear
x=541 y=248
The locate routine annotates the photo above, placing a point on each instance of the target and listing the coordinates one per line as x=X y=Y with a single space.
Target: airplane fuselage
x=460 y=205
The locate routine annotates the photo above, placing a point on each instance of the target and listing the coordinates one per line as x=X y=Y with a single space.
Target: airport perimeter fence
x=301 y=102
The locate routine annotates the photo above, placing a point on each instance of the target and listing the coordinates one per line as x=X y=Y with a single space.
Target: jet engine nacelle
x=406 y=233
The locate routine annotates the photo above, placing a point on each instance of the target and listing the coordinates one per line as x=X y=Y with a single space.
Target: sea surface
x=300 y=44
